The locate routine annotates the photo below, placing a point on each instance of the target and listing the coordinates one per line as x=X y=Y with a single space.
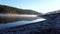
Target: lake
x=18 y=23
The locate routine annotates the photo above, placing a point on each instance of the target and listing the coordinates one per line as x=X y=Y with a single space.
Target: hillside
x=13 y=10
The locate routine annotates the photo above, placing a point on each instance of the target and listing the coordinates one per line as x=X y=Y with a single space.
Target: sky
x=42 y=6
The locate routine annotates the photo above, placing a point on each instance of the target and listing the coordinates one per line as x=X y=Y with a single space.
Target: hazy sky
x=37 y=5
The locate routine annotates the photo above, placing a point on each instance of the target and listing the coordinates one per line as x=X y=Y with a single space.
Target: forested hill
x=13 y=10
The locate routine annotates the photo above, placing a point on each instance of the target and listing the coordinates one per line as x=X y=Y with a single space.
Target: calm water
x=18 y=23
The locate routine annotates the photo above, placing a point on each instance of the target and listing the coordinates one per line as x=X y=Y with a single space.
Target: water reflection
x=18 y=23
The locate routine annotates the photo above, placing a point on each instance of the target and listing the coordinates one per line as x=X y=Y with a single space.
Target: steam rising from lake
x=17 y=15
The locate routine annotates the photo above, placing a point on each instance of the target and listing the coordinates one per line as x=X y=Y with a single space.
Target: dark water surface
x=18 y=23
